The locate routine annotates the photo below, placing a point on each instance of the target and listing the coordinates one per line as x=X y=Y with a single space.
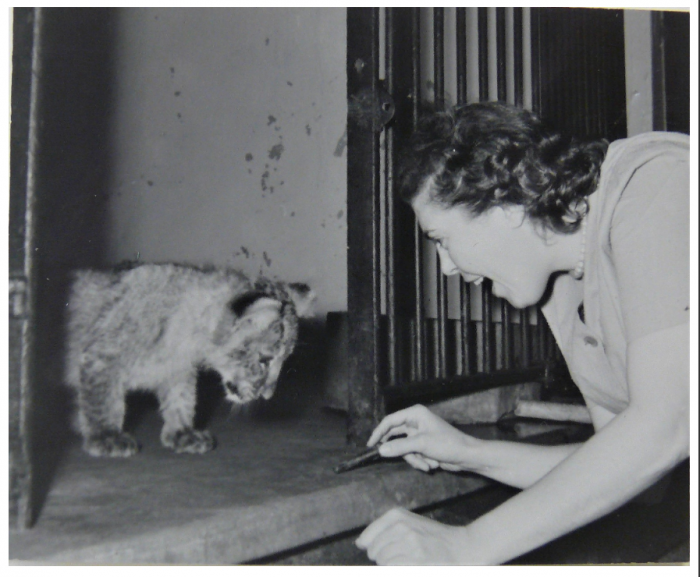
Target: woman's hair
x=493 y=154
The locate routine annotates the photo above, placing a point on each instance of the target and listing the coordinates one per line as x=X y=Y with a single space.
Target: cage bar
x=435 y=339
x=365 y=404
x=440 y=336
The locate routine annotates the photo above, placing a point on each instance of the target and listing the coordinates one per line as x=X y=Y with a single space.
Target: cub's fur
x=153 y=326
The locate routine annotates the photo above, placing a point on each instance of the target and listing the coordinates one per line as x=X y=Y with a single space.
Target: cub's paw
x=111 y=444
x=189 y=441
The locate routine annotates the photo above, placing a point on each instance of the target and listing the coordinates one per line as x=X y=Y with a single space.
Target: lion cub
x=153 y=326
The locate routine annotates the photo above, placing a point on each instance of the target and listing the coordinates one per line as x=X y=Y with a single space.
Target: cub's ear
x=302 y=297
x=257 y=306
x=240 y=303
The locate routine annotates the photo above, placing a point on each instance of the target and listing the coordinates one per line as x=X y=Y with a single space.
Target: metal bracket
x=370 y=109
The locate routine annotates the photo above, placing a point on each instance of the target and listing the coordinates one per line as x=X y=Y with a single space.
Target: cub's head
x=255 y=335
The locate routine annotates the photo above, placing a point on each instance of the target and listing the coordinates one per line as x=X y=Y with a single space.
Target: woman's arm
x=431 y=443
x=519 y=465
x=628 y=455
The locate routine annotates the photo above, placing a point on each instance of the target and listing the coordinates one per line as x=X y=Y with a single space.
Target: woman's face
x=501 y=245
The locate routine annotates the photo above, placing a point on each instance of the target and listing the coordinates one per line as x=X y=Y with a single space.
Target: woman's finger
x=403 y=446
x=377 y=527
x=400 y=418
x=400 y=431
x=387 y=425
x=389 y=550
x=432 y=463
x=417 y=462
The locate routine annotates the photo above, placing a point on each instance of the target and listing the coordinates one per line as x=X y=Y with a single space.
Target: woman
x=608 y=227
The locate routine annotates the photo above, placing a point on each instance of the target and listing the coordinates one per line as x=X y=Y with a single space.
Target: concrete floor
x=268 y=494
x=269 y=486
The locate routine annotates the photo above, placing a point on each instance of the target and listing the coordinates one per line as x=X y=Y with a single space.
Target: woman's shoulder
x=642 y=148
x=630 y=161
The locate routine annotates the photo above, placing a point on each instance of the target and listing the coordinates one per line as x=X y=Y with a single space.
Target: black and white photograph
x=352 y=286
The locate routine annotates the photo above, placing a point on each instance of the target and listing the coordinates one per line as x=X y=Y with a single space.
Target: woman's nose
x=448 y=267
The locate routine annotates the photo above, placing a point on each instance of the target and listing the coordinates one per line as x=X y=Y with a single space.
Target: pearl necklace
x=577 y=273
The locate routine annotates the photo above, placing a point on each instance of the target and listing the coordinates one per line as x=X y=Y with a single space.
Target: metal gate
x=415 y=335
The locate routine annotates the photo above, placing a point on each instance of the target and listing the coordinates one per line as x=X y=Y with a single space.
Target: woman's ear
x=302 y=297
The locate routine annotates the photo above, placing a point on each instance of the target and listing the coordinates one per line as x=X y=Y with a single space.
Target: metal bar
x=438 y=389
x=439 y=55
x=501 y=52
x=525 y=344
x=420 y=349
x=518 y=56
x=527 y=47
x=483 y=54
x=506 y=350
x=390 y=206
x=365 y=403
x=402 y=84
x=464 y=294
x=536 y=59
x=487 y=327
x=658 y=72
x=466 y=342
x=541 y=335
x=441 y=284
x=551 y=344
x=461 y=33
x=27 y=58
x=587 y=83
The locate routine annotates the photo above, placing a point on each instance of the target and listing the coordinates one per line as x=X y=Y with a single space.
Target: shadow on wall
x=74 y=106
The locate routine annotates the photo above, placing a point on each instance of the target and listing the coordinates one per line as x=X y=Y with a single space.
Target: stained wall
x=229 y=143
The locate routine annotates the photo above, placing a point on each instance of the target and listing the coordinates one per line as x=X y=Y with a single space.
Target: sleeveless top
x=637 y=264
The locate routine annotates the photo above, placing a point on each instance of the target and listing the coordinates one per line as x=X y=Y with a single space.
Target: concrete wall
x=229 y=143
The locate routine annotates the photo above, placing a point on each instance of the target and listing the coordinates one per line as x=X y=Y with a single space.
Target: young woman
x=608 y=227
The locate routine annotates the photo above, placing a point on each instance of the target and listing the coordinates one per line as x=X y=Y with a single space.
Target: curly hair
x=492 y=154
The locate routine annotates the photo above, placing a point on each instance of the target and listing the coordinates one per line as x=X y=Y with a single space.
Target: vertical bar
x=658 y=72
x=439 y=55
x=461 y=33
x=365 y=404
x=483 y=27
x=465 y=318
x=525 y=337
x=510 y=55
x=22 y=268
x=483 y=54
x=528 y=54
x=518 y=56
x=419 y=350
x=464 y=293
x=501 y=94
x=402 y=84
x=439 y=79
x=390 y=200
x=501 y=53
x=536 y=59
x=541 y=335
x=587 y=83
x=487 y=326
x=507 y=353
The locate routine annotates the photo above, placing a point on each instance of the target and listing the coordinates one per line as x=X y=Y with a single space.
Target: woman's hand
x=429 y=443
x=400 y=537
